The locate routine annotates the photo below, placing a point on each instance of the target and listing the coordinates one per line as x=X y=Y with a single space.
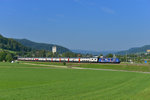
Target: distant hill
x=11 y=44
x=93 y=52
x=142 y=49
x=41 y=46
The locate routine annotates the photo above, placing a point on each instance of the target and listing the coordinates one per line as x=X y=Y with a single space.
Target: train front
x=108 y=60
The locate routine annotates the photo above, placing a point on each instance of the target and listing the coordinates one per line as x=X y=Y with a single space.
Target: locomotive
x=77 y=60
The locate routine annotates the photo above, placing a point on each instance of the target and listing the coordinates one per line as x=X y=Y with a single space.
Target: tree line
x=10 y=44
x=6 y=56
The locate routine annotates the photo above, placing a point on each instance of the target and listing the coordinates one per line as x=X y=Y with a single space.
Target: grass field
x=128 y=67
x=33 y=82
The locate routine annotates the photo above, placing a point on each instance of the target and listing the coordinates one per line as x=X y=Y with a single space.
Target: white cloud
x=52 y=20
x=77 y=0
x=103 y=8
x=107 y=10
x=60 y=15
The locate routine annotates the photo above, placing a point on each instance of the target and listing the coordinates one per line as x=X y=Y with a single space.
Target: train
x=76 y=60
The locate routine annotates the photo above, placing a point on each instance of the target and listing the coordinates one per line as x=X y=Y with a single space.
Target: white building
x=54 y=49
x=148 y=51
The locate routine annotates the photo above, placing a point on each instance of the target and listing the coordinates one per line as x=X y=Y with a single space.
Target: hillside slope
x=10 y=44
x=142 y=49
x=41 y=46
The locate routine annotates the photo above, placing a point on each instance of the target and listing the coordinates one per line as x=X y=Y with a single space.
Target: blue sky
x=78 y=24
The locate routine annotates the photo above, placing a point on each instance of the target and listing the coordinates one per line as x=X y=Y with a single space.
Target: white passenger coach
x=60 y=59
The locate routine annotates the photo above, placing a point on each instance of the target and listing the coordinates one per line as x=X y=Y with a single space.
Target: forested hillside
x=41 y=46
x=11 y=49
x=135 y=50
x=10 y=44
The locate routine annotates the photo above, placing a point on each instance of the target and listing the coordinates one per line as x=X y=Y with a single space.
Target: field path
x=56 y=66
x=46 y=65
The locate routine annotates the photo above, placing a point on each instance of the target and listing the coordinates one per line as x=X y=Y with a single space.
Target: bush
x=9 y=57
x=2 y=55
x=64 y=63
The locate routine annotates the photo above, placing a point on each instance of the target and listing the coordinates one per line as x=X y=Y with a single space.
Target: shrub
x=9 y=57
x=64 y=63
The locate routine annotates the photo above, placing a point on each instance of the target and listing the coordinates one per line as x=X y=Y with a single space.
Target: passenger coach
x=78 y=60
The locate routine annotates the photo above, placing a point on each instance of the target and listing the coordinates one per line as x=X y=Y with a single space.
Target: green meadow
x=122 y=66
x=34 y=82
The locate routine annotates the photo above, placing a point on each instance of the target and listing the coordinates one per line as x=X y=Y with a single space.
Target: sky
x=78 y=24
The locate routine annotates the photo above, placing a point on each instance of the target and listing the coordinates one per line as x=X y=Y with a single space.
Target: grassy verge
x=14 y=52
x=20 y=82
x=128 y=67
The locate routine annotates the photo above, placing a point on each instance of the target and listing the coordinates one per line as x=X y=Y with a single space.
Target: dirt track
x=55 y=66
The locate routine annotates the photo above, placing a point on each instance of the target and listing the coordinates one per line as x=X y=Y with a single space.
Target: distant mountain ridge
x=42 y=46
x=93 y=52
x=27 y=46
x=135 y=50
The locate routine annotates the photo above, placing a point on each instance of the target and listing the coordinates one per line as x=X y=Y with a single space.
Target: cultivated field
x=36 y=82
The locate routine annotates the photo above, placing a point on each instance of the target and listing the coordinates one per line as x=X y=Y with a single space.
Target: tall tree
x=109 y=55
x=2 y=55
x=9 y=57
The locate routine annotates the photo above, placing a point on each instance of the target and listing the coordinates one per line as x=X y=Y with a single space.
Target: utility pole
x=134 y=57
x=126 y=57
